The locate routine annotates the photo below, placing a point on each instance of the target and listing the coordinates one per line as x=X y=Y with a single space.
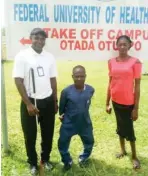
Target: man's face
x=38 y=41
x=79 y=76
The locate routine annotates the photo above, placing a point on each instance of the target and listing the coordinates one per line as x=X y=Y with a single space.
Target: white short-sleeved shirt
x=44 y=67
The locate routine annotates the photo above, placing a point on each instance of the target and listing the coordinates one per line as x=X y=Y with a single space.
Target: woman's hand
x=135 y=114
x=108 y=109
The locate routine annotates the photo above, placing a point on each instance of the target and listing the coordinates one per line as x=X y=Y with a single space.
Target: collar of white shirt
x=33 y=52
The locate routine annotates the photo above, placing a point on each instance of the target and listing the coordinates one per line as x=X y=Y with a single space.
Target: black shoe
x=83 y=162
x=33 y=170
x=67 y=166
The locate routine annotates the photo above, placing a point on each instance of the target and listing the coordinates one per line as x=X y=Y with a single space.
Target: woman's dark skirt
x=125 y=127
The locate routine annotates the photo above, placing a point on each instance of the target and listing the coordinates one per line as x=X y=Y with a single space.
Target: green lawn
x=102 y=161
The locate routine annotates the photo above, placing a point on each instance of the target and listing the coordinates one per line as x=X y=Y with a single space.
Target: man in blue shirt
x=74 y=114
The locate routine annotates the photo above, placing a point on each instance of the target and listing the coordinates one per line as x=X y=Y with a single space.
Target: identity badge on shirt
x=40 y=71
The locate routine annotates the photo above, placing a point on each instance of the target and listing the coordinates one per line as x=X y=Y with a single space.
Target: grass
x=103 y=161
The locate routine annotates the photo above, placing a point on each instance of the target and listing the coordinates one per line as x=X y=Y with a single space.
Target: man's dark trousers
x=46 y=120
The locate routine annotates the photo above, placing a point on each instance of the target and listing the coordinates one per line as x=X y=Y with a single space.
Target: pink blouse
x=123 y=74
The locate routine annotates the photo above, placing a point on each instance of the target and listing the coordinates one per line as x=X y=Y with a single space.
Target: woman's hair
x=126 y=37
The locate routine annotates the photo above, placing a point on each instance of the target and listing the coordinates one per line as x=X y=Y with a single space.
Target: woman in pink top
x=124 y=91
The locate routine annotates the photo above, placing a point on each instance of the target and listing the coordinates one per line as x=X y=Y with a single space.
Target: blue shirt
x=74 y=104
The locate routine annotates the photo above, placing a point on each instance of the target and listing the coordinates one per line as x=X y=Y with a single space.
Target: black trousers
x=46 y=121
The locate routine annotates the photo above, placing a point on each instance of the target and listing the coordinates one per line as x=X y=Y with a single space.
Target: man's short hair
x=36 y=31
x=79 y=66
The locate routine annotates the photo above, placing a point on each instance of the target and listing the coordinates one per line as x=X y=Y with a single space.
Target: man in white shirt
x=45 y=73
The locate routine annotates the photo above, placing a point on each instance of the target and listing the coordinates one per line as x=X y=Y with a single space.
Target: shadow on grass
x=100 y=168
x=93 y=167
x=96 y=167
